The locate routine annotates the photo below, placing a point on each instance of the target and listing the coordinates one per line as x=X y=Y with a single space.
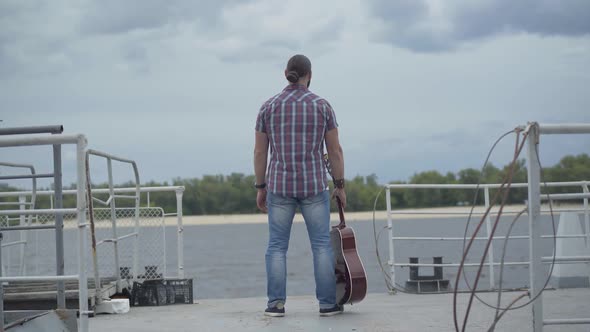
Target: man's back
x=295 y=122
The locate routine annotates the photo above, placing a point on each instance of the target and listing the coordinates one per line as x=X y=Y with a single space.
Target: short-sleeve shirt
x=296 y=121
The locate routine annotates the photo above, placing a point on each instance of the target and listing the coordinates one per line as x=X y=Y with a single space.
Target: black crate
x=180 y=290
x=162 y=292
x=149 y=293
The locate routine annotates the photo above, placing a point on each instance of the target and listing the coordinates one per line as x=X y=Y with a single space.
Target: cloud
x=35 y=36
x=268 y=29
x=433 y=26
x=119 y=17
x=47 y=37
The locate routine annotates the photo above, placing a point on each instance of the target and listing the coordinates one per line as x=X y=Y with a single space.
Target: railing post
x=165 y=273
x=179 y=193
x=136 y=223
x=59 y=235
x=97 y=282
x=114 y=229
x=1 y=289
x=489 y=231
x=391 y=261
x=82 y=235
x=534 y=206
x=22 y=199
x=587 y=224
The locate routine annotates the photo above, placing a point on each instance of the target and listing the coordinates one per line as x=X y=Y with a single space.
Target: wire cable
x=510 y=307
x=502 y=191
x=554 y=242
x=493 y=326
x=518 y=150
x=475 y=197
x=466 y=249
x=501 y=273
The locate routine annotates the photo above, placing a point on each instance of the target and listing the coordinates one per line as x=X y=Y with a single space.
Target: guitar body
x=351 y=279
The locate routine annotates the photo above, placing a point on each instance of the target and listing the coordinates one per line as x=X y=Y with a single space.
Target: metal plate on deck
x=37 y=321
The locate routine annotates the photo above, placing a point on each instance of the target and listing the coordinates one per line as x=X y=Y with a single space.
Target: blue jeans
x=316 y=213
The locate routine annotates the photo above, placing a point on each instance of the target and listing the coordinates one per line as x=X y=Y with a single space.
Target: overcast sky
x=176 y=85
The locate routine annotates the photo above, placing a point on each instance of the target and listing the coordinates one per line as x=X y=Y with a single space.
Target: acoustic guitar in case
x=351 y=279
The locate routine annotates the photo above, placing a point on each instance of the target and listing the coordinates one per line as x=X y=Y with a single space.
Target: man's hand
x=340 y=194
x=261 y=200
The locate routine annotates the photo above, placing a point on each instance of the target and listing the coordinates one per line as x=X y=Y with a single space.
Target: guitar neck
x=342 y=223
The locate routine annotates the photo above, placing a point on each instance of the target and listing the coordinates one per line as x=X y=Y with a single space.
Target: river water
x=227 y=260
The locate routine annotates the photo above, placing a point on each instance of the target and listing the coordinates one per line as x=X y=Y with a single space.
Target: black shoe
x=276 y=311
x=335 y=310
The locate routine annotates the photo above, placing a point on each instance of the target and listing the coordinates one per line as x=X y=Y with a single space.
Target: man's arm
x=260 y=156
x=260 y=159
x=336 y=156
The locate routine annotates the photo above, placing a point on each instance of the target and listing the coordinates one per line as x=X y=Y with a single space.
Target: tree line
x=234 y=193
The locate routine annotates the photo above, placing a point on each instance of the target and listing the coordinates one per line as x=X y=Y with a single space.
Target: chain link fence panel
x=40 y=250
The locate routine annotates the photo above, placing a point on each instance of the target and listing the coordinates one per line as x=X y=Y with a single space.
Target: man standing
x=295 y=123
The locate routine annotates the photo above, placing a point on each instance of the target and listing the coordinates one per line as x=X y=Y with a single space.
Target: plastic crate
x=162 y=292
x=180 y=290
x=149 y=293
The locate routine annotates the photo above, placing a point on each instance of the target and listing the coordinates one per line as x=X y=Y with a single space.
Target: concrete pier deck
x=378 y=312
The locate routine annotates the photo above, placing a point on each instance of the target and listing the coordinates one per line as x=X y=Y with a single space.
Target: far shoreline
x=421 y=213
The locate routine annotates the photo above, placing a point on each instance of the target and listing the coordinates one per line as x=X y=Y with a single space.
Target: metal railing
x=535 y=197
x=23 y=204
x=56 y=141
x=178 y=191
x=111 y=203
x=534 y=208
x=491 y=263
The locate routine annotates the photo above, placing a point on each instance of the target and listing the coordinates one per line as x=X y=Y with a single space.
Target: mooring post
x=438 y=270
x=414 y=269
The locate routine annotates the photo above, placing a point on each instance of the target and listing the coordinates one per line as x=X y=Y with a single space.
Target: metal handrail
x=486 y=188
x=26 y=176
x=480 y=186
x=57 y=129
x=568 y=321
x=22 y=204
x=111 y=201
x=564 y=128
x=40 y=278
x=26 y=228
x=96 y=191
x=179 y=190
x=513 y=237
x=80 y=142
x=117 y=239
x=10 y=244
x=36 y=211
x=536 y=283
x=477 y=213
x=41 y=140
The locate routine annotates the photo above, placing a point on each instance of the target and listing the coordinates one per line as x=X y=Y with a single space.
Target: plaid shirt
x=295 y=122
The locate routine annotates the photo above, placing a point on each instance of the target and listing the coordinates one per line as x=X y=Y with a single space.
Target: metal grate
x=152 y=250
x=40 y=251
